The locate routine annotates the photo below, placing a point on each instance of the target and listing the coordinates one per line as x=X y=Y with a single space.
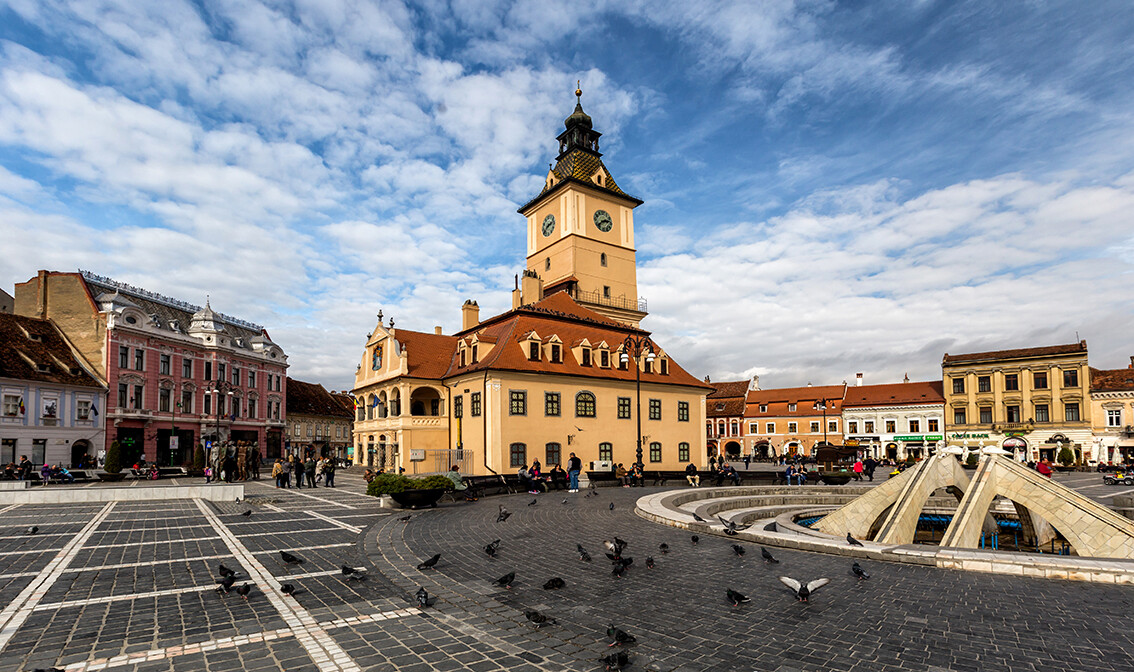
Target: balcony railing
x=613 y=301
x=124 y=412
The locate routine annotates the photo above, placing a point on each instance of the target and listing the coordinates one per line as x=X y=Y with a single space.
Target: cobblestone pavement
x=130 y=586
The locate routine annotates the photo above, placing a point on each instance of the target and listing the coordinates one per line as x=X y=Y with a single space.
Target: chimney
x=1131 y=362
x=906 y=379
x=531 y=288
x=41 y=296
x=437 y=330
x=470 y=315
x=858 y=380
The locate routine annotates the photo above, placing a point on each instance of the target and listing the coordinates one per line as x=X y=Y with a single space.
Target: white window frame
x=1114 y=417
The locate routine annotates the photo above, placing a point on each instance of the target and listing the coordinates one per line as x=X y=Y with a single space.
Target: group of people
x=629 y=478
x=312 y=470
x=238 y=461
x=535 y=481
x=24 y=470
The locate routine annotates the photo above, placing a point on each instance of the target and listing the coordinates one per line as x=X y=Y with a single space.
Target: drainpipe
x=484 y=414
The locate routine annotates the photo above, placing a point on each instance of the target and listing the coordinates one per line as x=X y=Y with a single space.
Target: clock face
x=548 y=225
x=602 y=221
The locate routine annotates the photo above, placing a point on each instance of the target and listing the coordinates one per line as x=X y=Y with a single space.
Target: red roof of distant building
x=805 y=398
x=1018 y=353
x=1112 y=380
x=313 y=399
x=33 y=349
x=429 y=354
x=895 y=394
x=734 y=388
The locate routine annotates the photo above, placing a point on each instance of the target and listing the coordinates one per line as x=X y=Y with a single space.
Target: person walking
x=256 y=460
x=45 y=473
x=574 y=466
x=858 y=469
x=869 y=466
x=329 y=472
x=297 y=469
x=25 y=468
x=747 y=460
x=309 y=469
x=277 y=472
x=286 y=471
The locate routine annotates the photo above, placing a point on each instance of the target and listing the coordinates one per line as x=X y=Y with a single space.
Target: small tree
x=113 y=463
x=199 y=457
x=972 y=460
x=1066 y=456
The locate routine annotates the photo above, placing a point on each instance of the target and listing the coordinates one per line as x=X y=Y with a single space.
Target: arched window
x=518 y=454
x=720 y=428
x=606 y=452
x=655 y=452
x=370 y=406
x=584 y=405
x=552 y=454
x=683 y=452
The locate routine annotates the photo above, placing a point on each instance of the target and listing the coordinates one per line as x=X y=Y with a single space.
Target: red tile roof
x=1112 y=380
x=559 y=315
x=1019 y=353
x=313 y=399
x=724 y=408
x=737 y=388
x=429 y=354
x=28 y=345
x=895 y=394
x=804 y=398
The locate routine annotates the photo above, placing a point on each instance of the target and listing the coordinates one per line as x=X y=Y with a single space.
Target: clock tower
x=581 y=228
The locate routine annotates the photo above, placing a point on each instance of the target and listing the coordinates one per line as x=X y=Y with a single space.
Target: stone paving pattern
x=903 y=618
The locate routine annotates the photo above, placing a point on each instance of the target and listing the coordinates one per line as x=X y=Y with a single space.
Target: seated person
x=459 y=486
x=526 y=479
x=692 y=476
x=622 y=475
x=732 y=475
x=368 y=476
x=558 y=477
x=60 y=472
x=636 y=477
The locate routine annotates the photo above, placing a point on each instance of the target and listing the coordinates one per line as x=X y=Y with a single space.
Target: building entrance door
x=131 y=445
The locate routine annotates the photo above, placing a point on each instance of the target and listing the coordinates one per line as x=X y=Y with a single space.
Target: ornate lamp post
x=823 y=405
x=220 y=389
x=635 y=347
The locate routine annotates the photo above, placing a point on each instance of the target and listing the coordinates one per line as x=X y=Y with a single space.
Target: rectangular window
x=606 y=452
x=655 y=452
x=252 y=379
x=665 y=367
x=604 y=359
x=1039 y=380
x=11 y=406
x=655 y=409
x=208 y=405
x=763 y=408
x=163 y=399
x=139 y=359
x=986 y=415
x=959 y=416
x=474 y=404
x=586 y=357
x=474 y=357
x=1071 y=378
x=7 y=451
x=208 y=370
x=815 y=427
x=186 y=405
x=915 y=426
x=683 y=452
x=753 y=428
x=83 y=410
x=683 y=411
x=459 y=406
x=958 y=386
x=462 y=353
x=791 y=408
x=551 y=404
x=39 y=451
x=551 y=454
x=1011 y=381
x=518 y=455
x=164 y=365
x=1113 y=417
x=123 y=395
x=186 y=367
x=791 y=427
x=624 y=408
x=891 y=426
x=517 y=402
x=605 y=290
x=1013 y=413
x=236 y=376
x=984 y=384
x=252 y=408
x=533 y=351
x=123 y=357
x=853 y=425
x=934 y=425
x=832 y=426
x=868 y=426
x=1042 y=413
x=1070 y=411
x=623 y=362
x=554 y=353
x=220 y=371
x=136 y=401
x=769 y=428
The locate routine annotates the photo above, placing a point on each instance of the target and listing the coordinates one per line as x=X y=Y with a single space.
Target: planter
x=412 y=499
x=111 y=478
x=835 y=478
x=1060 y=467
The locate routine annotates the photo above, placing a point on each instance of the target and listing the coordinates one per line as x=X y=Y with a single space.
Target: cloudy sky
x=830 y=187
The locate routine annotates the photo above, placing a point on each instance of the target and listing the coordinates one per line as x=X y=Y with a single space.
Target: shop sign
x=850 y=442
x=934 y=437
x=1014 y=433
x=910 y=437
x=969 y=435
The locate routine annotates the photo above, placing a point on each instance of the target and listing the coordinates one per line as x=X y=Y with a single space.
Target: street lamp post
x=822 y=405
x=634 y=347
x=219 y=389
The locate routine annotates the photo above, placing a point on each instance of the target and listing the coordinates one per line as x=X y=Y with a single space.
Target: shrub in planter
x=971 y=460
x=199 y=457
x=1066 y=456
x=385 y=484
x=435 y=482
x=113 y=462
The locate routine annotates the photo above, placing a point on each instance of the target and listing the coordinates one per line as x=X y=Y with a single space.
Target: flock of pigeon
x=228 y=576
x=620 y=564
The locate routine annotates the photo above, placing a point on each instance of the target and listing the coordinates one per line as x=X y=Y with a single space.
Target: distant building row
x=1029 y=401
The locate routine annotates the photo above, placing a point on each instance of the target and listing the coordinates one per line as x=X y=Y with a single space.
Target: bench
x=602 y=478
x=482 y=485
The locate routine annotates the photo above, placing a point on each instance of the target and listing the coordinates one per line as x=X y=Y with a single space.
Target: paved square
x=131 y=586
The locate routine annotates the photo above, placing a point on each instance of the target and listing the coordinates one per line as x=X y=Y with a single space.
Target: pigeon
x=291 y=559
x=663 y=547
x=405 y=518
x=697 y=518
x=225 y=583
x=739 y=550
x=852 y=541
x=649 y=562
x=732 y=528
x=859 y=572
x=430 y=563
x=33 y=529
x=534 y=501
x=612 y=506
x=803 y=592
x=768 y=557
x=564 y=500
x=491 y=548
x=618 y=571
x=503 y=515
x=537 y=618
x=243 y=590
x=423 y=599
x=506 y=580
x=225 y=571
x=695 y=539
x=735 y=597
x=583 y=555
x=554 y=583
x=287 y=589
x=354 y=573
x=619 y=636
x=615 y=661
x=247 y=513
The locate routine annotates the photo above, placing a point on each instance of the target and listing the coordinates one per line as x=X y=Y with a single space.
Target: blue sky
x=830 y=187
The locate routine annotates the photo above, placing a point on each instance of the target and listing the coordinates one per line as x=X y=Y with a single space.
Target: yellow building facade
x=567 y=370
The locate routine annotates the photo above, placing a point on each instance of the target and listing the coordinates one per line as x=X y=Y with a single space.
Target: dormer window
x=623 y=363
x=130 y=319
x=43 y=368
x=533 y=351
x=604 y=359
x=664 y=366
x=474 y=353
x=461 y=354
x=586 y=359
x=554 y=353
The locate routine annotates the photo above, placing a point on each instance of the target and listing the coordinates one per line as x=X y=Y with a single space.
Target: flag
x=375 y=404
x=94 y=410
x=21 y=406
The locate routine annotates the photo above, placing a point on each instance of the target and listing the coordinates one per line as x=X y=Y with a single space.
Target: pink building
x=177 y=374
